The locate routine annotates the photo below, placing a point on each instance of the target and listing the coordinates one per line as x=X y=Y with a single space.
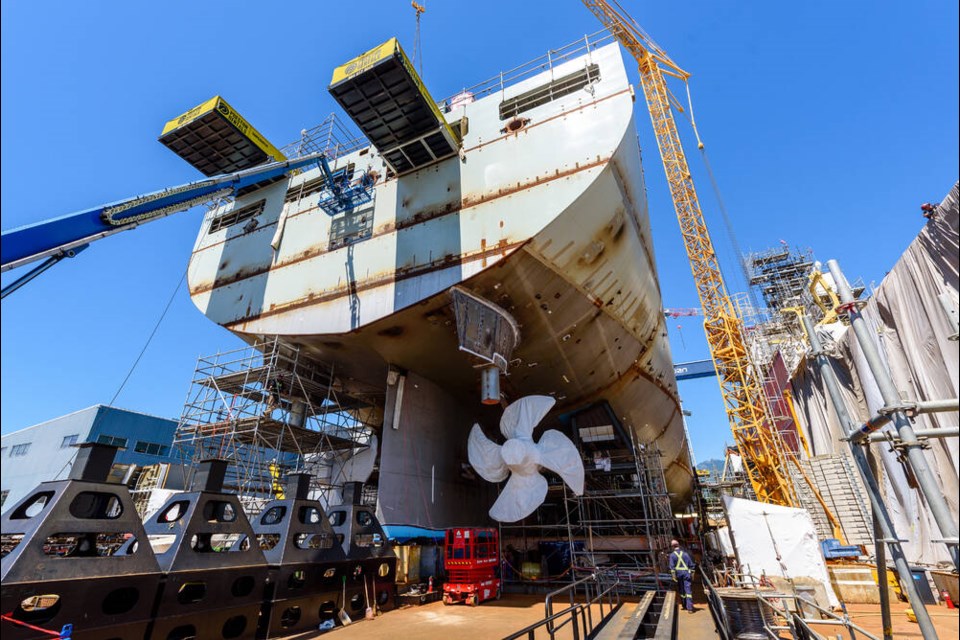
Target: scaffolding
x=270 y=410
x=622 y=523
x=786 y=279
x=334 y=137
x=624 y=517
x=713 y=484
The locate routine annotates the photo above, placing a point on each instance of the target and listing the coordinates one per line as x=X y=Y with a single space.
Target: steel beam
x=920 y=433
x=885 y=414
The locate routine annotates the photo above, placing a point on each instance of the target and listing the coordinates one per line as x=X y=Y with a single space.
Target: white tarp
x=913 y=332
x=762 y=532
x=719 y=539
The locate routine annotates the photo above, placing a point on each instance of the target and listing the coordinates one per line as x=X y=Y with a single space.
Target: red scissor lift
x=472 y=561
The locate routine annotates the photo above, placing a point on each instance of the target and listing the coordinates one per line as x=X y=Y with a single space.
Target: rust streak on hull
x=353 y=288
x=386 y=229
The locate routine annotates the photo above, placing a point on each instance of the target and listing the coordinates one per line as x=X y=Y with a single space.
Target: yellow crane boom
x=760 y=443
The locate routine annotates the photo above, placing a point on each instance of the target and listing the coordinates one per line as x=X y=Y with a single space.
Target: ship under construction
x=456 y=366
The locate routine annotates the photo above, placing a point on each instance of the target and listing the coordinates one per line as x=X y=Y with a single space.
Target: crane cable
x=731 y=234
x=417 y=47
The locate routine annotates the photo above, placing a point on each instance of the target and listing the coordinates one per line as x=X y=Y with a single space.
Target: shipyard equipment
x=760 y=444
x=216 y=574
x=214 y=138
x=373 y=564
x=59 y=568
x=383 y=94
x=471 y=558
x=77 y=558
x=307 y=566
x=67 y=235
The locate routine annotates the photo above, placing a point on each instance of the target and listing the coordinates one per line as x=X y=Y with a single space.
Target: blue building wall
x=45 y=451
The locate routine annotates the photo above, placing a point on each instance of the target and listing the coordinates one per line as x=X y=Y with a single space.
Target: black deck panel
x=215 y=140
x=394 y=111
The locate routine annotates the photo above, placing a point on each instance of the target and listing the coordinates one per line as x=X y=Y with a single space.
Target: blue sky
x=827 y=124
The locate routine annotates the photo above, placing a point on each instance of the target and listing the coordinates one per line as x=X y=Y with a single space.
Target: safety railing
x=551 y=59
x=576 y=615
x=779 y=614
x=800 y=620
x=594 y=590
x=333 y=137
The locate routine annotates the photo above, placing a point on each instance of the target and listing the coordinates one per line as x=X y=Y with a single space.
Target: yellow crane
x=758 y=440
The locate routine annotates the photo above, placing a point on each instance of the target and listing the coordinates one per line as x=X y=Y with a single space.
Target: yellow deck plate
x=215 y=138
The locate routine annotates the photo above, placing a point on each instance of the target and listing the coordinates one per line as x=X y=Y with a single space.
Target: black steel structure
x=75 y=553
x=76 y=557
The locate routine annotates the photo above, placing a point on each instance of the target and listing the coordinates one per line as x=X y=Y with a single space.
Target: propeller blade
x=522 y=417
x=521 y=496
x=484 y=456
x=561 y=456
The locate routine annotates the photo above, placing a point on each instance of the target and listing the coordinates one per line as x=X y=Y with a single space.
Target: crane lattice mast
x=760 y=443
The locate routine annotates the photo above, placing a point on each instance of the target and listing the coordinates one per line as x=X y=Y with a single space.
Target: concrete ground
x=699 y=624
x=946 y=621
x=498 y=619
x=491 y=620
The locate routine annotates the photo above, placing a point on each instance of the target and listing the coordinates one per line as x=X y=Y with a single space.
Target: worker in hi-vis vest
x=681 y=569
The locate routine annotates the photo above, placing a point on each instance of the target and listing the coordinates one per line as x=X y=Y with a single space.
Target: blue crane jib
x=60 y=236
x=694 y=370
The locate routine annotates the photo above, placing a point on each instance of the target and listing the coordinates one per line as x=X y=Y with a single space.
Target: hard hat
x=674 y=543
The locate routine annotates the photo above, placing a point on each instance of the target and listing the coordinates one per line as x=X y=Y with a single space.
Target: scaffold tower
x=270 y=410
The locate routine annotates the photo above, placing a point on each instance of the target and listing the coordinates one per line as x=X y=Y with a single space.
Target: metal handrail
x=594 y=579
x=798 y=618
x=573 y=611
x=549 y=60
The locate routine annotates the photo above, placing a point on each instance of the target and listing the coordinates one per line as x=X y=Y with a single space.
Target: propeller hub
x=519 y=454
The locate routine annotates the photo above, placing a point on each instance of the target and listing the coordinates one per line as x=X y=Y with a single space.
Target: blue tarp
x=402 y=534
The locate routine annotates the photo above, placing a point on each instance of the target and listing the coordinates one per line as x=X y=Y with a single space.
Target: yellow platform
x=384 y=96
x=216 y=139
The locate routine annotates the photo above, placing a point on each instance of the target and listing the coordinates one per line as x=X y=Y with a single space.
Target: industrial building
x=46 y=451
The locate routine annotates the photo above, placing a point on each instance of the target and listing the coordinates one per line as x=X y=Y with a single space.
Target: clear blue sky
x=827 y=123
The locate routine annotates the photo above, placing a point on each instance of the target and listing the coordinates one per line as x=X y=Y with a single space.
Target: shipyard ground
x=489 y=621
x=515 y=611
x=945 y=621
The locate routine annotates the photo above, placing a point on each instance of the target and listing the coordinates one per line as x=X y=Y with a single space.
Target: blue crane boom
x=69 y=234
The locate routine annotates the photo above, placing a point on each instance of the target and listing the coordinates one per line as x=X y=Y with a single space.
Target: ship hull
x=548 y=221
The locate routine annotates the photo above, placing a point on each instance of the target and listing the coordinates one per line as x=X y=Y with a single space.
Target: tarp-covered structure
x=779 y=543
x=908 y=313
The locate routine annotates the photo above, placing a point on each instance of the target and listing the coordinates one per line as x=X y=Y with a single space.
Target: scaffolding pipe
x=885 y=414
x=880 y=552
x=952 y=432
x=914 y=448
x=870 y=481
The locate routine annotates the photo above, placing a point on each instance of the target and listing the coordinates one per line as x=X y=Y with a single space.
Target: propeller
x=521 y=459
